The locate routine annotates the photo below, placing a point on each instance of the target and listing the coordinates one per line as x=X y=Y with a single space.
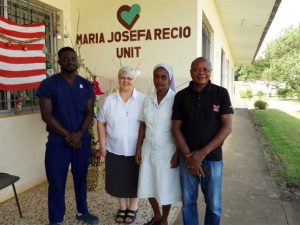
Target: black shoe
x=88 y=218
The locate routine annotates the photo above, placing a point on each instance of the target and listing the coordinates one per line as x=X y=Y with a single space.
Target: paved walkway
x=249 y=193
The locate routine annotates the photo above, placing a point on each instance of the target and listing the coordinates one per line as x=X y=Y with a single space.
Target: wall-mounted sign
x=128 y=16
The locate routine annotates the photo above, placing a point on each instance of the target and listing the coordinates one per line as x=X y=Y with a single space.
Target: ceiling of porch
x=246 y=23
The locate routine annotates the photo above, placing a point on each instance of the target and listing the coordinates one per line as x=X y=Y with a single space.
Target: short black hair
x=65 y=49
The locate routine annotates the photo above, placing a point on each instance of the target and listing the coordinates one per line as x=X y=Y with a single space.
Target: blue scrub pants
x=57 y=160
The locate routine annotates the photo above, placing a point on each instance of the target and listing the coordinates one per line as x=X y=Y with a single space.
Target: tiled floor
x=34 y=208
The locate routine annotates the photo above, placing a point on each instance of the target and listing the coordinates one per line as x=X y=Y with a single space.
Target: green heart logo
x=128 y=16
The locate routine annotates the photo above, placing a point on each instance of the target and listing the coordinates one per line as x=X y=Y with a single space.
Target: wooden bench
x=6 y=180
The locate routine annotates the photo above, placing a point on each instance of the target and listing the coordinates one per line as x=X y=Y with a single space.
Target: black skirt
x=121 y=176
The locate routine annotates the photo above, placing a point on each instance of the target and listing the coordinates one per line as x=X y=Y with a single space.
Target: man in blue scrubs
x=66 y=103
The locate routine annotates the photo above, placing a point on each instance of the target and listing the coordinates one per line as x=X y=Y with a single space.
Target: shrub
x=259 y=104
x=246 y=94
x=282 y=93
x=260 y=94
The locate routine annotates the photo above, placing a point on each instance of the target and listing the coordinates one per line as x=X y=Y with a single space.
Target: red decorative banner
x=22 y=61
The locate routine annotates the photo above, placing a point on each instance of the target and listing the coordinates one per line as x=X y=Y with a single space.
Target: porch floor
x=35 y=212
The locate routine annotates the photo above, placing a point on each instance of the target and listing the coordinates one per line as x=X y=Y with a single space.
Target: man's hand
x=194 y=164
x=195 y=158
x=74 y=139
x=196 y=171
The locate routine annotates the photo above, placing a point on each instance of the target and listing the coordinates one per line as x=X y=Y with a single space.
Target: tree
x=242 y=72
x=284 y=55
x=280 y=67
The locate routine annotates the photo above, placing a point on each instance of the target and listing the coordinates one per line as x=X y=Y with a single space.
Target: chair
x=6 y=180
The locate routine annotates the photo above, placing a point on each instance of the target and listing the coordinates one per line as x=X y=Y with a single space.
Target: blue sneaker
x=88 y=218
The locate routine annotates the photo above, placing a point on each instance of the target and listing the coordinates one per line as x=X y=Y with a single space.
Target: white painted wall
x=100 y=17
x=22 y=147
x=219 y=41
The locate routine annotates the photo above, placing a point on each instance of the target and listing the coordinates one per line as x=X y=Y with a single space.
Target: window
x=225 y=66
x=227 y=82
x=223 y=75
x=207 y=38
x=205 y=42
x=25 y=12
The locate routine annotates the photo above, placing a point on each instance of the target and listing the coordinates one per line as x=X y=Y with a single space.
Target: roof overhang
x=246 y=24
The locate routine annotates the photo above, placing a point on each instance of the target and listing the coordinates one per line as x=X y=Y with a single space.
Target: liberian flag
x=22 y=61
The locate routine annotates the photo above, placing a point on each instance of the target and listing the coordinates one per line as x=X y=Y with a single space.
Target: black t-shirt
x=200 y=115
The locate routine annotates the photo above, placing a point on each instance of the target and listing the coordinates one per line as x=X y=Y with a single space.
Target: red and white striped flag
x=22 y=61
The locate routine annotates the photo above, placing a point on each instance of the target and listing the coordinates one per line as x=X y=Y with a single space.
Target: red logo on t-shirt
x=216 y=108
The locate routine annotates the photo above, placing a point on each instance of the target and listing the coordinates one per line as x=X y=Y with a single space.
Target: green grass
x=283 y=132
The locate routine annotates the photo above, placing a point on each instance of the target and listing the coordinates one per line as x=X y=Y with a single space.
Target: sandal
x=131 y=215
x=153 y=221
x=121 y=215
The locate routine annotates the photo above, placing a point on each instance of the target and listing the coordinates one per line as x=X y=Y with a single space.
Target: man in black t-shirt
x=201 y=121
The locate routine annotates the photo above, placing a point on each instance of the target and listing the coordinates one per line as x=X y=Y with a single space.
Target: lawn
x=283 y=132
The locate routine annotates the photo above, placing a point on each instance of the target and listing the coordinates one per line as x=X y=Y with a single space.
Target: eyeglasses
x=126 y=78
x=200 y=70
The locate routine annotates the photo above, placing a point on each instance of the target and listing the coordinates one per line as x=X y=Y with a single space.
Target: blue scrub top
x=69 y=102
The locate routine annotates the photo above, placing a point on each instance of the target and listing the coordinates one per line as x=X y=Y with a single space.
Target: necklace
x=127 y=106
x=126 y=99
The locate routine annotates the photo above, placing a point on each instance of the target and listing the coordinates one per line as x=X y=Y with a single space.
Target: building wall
x=22 y=150
x=219 y=40
x=64 y=11
x=102 y=58
x=24 y=136
x=100 y=18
